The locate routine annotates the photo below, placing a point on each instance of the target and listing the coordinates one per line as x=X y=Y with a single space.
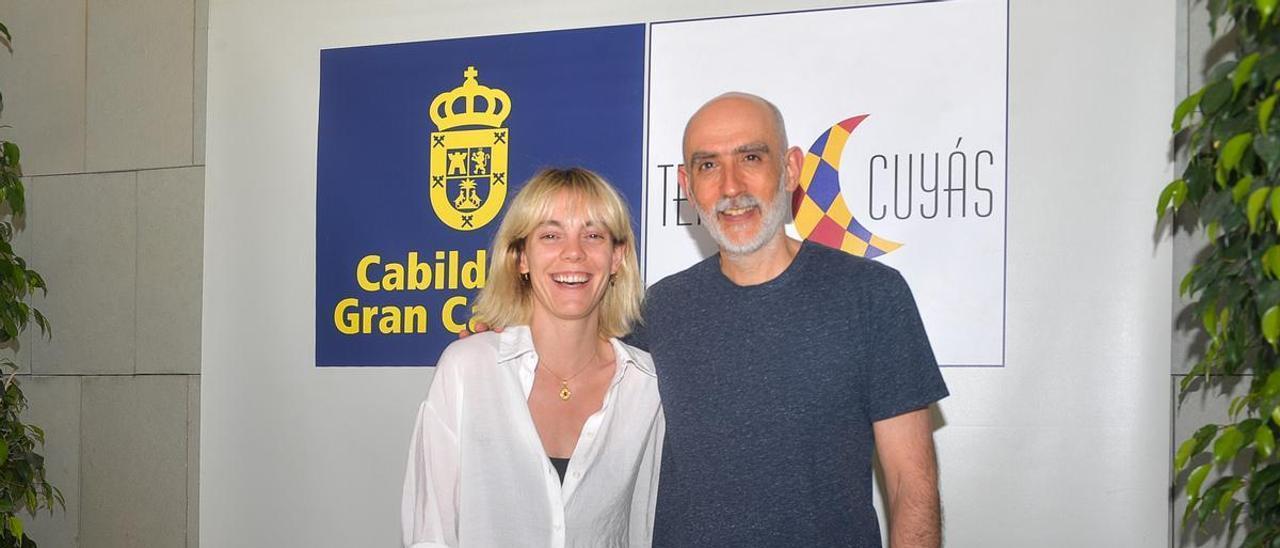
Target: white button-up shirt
x=478 y=475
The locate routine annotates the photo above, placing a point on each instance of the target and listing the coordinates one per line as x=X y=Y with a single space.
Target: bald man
x=784 y=365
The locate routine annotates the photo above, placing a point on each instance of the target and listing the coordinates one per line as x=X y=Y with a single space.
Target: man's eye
x=706 y=165
x=752 y=157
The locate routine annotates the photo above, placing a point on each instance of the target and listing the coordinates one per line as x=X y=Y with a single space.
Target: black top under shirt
x=561 y=465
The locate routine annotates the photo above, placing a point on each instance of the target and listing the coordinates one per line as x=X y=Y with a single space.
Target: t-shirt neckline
x=780 y=280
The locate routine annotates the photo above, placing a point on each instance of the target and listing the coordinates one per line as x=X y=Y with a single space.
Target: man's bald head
x=736 y=104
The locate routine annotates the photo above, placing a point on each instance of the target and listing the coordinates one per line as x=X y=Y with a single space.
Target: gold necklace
x=565 y=393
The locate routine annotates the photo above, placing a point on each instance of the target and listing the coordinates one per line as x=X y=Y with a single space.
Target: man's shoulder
x=837 y=266
x=694 y=280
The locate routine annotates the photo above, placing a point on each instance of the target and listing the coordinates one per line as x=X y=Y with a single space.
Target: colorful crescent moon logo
x=821 y=213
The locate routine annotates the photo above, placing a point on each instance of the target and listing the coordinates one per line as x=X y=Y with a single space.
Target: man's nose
x=732 y=184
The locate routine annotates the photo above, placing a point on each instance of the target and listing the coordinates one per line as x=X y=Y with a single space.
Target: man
x=782 y=365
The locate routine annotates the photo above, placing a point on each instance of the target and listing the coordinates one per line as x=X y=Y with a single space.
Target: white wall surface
x=1065 y=446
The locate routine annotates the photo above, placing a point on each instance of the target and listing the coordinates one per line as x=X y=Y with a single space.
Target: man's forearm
x=905 y=446
x=915 y=516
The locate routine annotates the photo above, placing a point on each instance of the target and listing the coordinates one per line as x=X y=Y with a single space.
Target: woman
x=548 y=433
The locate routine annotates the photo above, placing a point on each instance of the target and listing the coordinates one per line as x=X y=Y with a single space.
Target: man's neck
x=763 y=264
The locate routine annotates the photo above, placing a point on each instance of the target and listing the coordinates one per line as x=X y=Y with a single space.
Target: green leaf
x=1271 y=324
x=1228 y=493
x=1212 y=495
x=1185 y=451
x=1184 y=108
x=1275 y=208
x=12 y=153
x=1270 y=67
x=1272 y=387
x=4 y=451
x=1212 y=230
x=1234 y=150
x=1265 y=8
x=1271 y=261
x=1215 y=97
x=1237 y=403
x=1241 y=189
x=1192 y=505
x=1267 y=147
x=1185 y=285
x=1275 y=415
x=1243 y=71
x=1209 y=317
x=1265 y=109
x=1254 y=207
x=1175 y=192
x=1229 y=443
x=1196 y=479
x=15 y=526
x=1265 y=440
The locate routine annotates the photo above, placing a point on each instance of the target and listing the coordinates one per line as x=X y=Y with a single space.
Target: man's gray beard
x=772 y=219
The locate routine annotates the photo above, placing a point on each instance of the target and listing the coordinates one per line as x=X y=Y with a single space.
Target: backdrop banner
x=904 y=145
x=419 y=145
x=419 y=148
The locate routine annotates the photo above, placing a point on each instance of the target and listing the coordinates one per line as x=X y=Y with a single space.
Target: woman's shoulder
x=641 y=358
x=474 y=349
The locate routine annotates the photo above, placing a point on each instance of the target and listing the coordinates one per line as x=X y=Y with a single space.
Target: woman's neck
x=566 y=343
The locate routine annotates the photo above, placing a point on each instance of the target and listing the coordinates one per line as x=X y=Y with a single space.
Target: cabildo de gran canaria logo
x=468 y=185
x=469 y=154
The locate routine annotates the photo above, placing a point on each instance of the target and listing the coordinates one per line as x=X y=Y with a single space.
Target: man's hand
x=905 y=446
x=481 y=327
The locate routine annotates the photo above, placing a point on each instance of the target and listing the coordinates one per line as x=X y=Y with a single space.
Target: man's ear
x=794 y=161
x=682 y=176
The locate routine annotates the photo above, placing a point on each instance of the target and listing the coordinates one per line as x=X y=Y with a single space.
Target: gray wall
x=106 y=98
x=1068 y=443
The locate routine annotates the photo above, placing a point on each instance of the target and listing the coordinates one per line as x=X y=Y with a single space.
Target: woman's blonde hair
x=506 y=299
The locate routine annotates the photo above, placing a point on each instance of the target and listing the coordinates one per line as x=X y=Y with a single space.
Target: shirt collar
x=517 y=340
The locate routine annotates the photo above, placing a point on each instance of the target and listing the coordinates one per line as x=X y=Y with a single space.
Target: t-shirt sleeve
x=903 y=374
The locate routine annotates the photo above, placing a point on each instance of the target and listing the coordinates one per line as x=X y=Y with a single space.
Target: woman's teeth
x=571 y=279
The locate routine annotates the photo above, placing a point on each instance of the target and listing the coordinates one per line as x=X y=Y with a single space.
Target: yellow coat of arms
x=469 y=154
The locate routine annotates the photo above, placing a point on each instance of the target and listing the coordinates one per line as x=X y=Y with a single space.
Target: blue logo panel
x=420 y=148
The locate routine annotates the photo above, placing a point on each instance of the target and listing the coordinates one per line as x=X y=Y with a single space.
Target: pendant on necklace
x=564 y=391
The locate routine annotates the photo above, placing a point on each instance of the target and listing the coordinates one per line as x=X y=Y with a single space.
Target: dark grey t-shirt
x=770 y=392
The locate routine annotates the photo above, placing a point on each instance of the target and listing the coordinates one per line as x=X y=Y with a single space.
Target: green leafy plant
x=23 y=486
x=1230 y=189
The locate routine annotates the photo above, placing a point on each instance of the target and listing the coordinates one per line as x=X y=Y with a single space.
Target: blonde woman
x=548 y=432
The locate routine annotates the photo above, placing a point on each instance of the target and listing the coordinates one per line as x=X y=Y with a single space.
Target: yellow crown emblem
x=470 y=104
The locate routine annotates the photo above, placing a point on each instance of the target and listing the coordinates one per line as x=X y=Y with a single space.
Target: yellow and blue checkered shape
x=821 y=212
